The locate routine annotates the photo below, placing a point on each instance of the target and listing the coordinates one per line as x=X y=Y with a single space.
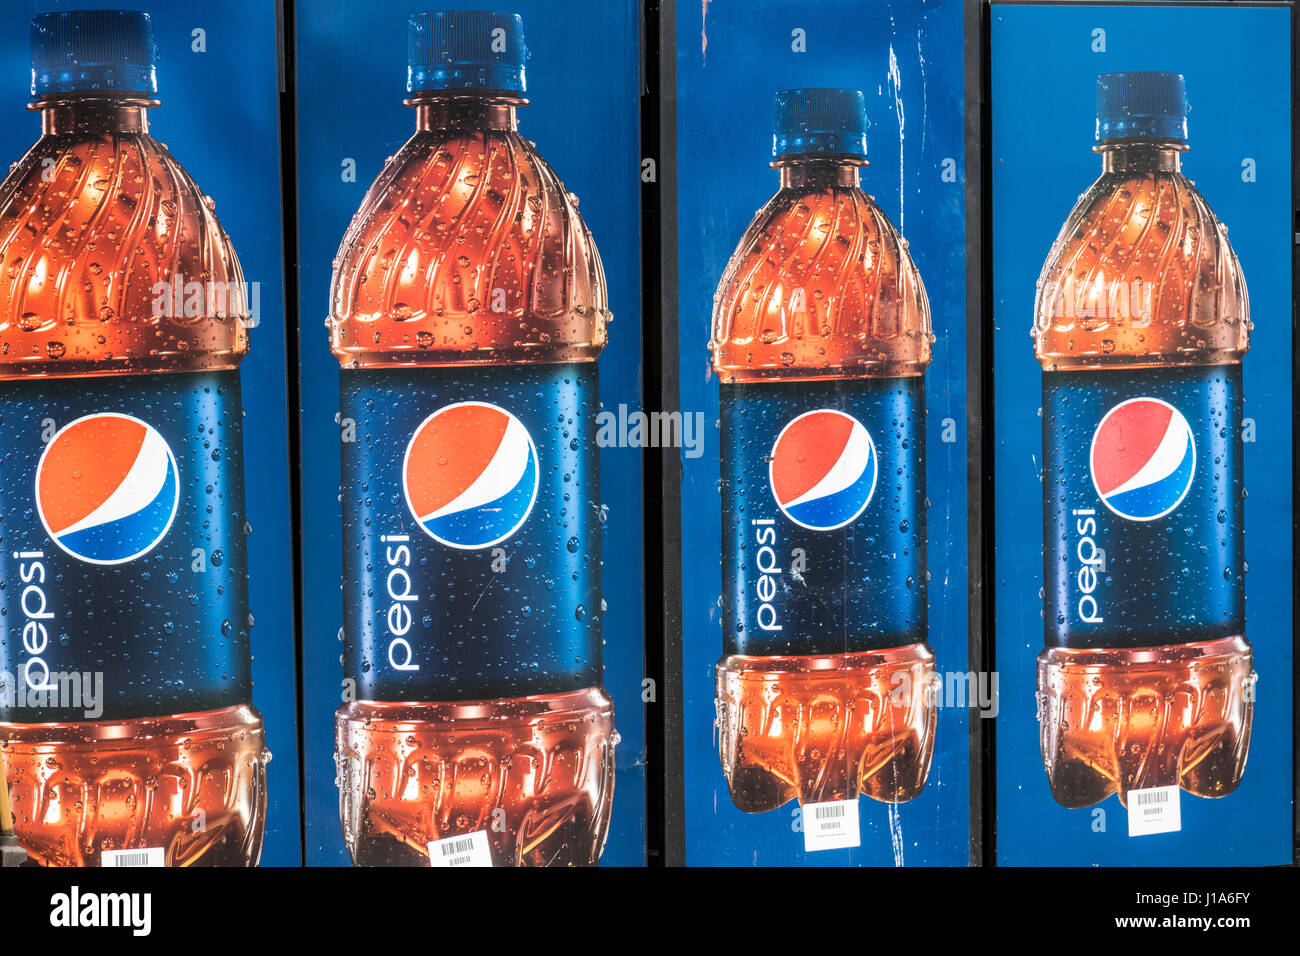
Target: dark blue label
x=823 y=516
x=1142 y=505
x=123 y=581
x=472 y=532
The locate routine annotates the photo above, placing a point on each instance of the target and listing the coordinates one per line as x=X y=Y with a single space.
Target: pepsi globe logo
x=823 y=469
x=470 y=475
x=1143 y=458
x=107 y=488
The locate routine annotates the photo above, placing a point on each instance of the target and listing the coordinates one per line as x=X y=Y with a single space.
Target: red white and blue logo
x=823 y=469
x=1143 y=458
x=470 y=475
x=107 y=488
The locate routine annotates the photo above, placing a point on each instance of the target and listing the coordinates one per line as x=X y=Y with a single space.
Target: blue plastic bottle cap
x=820 y=121
x=93 y=51
x=1141 y=106
x=465 y=50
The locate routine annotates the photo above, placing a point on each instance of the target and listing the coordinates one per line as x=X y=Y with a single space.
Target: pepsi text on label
x=36 y=617
x=1143 y=491
x=1141 y=460
x=823 y=559
x=765 y=563
x=469 y=479
x=397 y=554
x=471 y=493
x=1092 y=560
x=132 y=560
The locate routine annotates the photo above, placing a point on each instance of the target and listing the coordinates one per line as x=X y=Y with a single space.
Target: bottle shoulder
x=112 y=259
x=467 y=249
x=1142 y=273
x=821 y=285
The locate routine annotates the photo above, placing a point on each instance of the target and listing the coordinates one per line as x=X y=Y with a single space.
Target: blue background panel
x=583 y=87
x=220 y=118
x=907 y=59
x=1237 y=63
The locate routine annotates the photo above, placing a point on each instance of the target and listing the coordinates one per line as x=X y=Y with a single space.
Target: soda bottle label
x=472 y=563
x=1142 y=495
x=823 y=516
x=123 y=582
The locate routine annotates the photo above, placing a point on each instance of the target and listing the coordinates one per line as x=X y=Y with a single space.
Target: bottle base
x=826 y=728
x=192 y=785
x=535 y=774
x=1116 y=720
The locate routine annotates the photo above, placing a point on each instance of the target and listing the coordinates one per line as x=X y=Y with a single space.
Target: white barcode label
x=468 y=849
x=1155 y=810
x=150 y=856
x=831 y=826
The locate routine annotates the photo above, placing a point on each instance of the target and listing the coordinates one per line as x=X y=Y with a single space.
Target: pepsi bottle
x=1141 y=325
x=821 y=337
x=467 y=311
x=126 y=728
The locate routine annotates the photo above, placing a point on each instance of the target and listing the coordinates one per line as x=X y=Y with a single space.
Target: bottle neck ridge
x=459 y=110
x=819 y=171
x=91 y=113
x=1141 y=156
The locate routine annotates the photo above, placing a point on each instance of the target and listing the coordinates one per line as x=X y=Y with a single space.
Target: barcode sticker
x=149 y=856
x=831 y=826
x=467 y=849
x=1155 y=810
